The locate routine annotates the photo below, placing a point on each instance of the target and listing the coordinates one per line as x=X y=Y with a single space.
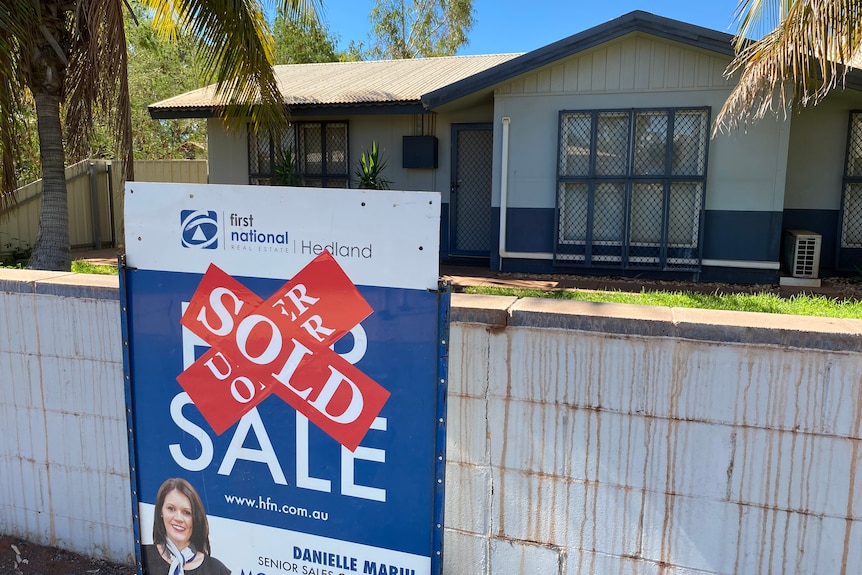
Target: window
x=319 y=150
x=630 y=187
x=851 y=204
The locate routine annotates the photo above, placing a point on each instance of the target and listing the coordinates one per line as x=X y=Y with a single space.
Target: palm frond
x=797 y=64
x=97 y=77
x=757 y=18
x=302 y=10
x=166 y=17
x=235 y=45
x=16 y=18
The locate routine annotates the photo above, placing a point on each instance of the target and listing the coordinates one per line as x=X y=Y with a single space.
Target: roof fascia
x=414 y=107
x=373 y=109
x=181 y=113
x=852 y=78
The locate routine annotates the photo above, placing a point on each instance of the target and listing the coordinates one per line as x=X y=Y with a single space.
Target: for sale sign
x=286 y=379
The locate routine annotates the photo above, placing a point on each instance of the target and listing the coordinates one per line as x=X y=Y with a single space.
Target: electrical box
x=419 y=152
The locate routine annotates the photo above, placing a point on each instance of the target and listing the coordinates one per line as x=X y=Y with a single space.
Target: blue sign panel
x=286 y=409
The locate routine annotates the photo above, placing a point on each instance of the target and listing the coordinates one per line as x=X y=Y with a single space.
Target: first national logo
x=199 y=229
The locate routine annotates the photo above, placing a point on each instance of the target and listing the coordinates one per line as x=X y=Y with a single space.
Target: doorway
x=470 y=197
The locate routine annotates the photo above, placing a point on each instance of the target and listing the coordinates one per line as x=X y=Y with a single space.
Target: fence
x=95 y=199
x=581 y=438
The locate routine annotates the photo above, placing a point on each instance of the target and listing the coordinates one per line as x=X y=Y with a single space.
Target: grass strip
x=86 y=267
x=78 y=267
x=801 y=304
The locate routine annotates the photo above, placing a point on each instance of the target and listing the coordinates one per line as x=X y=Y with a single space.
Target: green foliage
x=27 y=166
x=17 y=253
x=302 y=41
x=86 y=267
x=285 y=170
x=801 y=304
x=73 y=60
x=355 y=53
x=158 y=69
x=18 y=260
x=370 y=170
x=420 y=28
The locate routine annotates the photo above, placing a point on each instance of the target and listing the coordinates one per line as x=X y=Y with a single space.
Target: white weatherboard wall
x=228 y=150
x=818 y=150
x=582 y=438
x=641 y=72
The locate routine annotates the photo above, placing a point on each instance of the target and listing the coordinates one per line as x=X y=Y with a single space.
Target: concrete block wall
x=582 y=438
x=599 y=438
x=64 y=460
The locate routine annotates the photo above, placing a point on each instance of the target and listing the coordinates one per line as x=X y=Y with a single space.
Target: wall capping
x=804 y=332
x=62 y=284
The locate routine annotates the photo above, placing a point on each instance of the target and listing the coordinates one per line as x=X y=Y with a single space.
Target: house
x=590 y=155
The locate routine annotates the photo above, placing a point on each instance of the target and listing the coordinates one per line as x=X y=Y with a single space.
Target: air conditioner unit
x=802 y=253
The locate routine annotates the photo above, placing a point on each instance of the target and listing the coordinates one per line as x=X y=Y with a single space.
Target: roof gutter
x=181 y=113
x=300 y=110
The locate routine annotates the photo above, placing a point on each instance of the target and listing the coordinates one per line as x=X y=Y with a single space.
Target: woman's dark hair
x=200 y=527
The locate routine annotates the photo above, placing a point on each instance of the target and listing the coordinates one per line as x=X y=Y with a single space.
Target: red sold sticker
x=281 y=346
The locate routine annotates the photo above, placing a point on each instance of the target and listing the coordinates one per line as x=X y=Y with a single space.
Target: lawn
x=802 y=304
x=86 y=267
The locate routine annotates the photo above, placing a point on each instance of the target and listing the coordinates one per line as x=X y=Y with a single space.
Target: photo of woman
x=180 y=534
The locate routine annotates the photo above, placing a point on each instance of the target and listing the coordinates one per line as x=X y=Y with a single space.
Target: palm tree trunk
x=51 y=250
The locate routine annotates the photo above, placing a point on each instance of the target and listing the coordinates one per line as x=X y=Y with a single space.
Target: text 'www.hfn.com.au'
x=267 y=504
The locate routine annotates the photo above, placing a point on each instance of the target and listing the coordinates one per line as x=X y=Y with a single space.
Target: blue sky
x=508 y=26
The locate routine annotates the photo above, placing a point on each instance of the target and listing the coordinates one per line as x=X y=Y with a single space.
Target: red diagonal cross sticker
x=281 y=346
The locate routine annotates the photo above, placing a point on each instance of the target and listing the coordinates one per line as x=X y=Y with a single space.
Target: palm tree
x=803 y=52
x=70 y=57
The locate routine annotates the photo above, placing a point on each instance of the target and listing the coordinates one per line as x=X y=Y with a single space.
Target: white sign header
x=258 y=231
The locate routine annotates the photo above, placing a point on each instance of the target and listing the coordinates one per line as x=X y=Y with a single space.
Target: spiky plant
x=369 y=173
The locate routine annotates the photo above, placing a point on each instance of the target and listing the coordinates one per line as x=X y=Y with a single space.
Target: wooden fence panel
x=81 y=231
x=176 y=171
x=18 y=229
x=179 y=171
x=19 y=232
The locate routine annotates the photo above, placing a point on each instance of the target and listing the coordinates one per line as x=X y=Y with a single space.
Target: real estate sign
x=286 y=369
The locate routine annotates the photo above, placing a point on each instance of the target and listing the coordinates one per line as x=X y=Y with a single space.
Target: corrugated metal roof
x=356 y=83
